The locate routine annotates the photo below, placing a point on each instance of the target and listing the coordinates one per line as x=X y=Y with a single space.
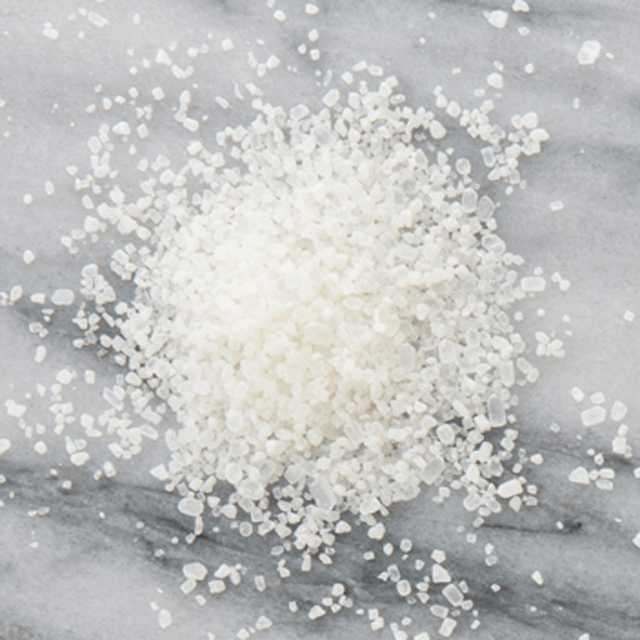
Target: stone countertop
x=90 y=566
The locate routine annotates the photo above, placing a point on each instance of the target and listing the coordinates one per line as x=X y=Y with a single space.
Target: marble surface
x=87 y=569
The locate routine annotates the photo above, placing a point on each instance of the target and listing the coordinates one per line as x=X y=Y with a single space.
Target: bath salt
x=593 y=416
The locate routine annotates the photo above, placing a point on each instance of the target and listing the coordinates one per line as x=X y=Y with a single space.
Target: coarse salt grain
x=589 y=52
x=497 y=18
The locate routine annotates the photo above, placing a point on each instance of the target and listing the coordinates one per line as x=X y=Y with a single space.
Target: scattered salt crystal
x=41 y=354
x=529 y=68
x=316 y=612
x=520 y=5
x=556 y=205
x=311 y=9
x=589 y=52
x=227 y=44
x=497 y=18
x=263 y=623
x=217 y=586
x=447 y=627
x=629 y=316
x=577 y=394
x=63 y=297
x=576 y=103
x=157 y=93
x=79 y=458
x=533 y=284
x=27 y=198
x=377 y=531
x=280 y=15
x=537 y=459
x=331 y=98
x=579 y=476
x=636 y=540
x=50 y=31
x=439 y=574
x=536 y=576
x=593 y=416
x=495 y=80
x=5 y=445
x=509 y=489
x=273 y=62
x=618 y=411
x=597 y=398
x=162 y=57
x=313 y=35
x=164 y=618
x=190 y=507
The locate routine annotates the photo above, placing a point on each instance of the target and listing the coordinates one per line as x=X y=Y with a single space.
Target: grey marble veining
x=95 y=571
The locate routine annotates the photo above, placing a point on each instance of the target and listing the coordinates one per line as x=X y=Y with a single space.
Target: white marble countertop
x=86 y=569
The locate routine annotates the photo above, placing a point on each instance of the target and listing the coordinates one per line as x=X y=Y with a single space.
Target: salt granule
x=593 y=416
x=5 y=445
x=497 y=18
x=62 y=297
x=589 y=52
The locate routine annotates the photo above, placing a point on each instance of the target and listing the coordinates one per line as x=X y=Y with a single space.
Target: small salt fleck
x=618 y=411
x=313 y=35
x=636 y=540
x=536 y=576
x=579 y=476
x=497 y=18
x=164 y=618
x=50 y=31
x=316 y=612
x=49 y=188
x=629 y=316
x=589 y=52
x=162 y=57
x=509 y=488
x=311 y=9
x=495 y=80
x=576 y=103
x=377 y=531
x=280 y=15
x=5 y=445
x=556 y=205
x=28 y=256
x=331 y=98
x=27 y=199
x=520 y=5
x=63 y=297
x=593 y=416
x=227 y=44
x=577 y=394
x=529 y=68
x=41 y=354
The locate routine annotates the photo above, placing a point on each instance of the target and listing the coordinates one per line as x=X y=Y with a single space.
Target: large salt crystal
x=509 y=489
x=593 y=416
x=589 y=52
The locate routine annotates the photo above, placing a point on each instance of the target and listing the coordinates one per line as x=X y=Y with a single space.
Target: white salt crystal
x=41 y=353
x=636 y=540
x=497 y=19
x=577 y=394
x=377 y=531
x=5 y=445
x=164 y=618
x=316 y=612
x=63 y=297
x=191 y=507
x=579 y=476
x=439 y=574
x=509 y=489
x=162 y=57
x=520 y=5
x=593 y=416
x=280 y=15
x=495 y=80
x=447 y=627
x=629 y=316
x=618 y=411
x=536 y=576
x=194 y=571
x=589 y=52
x=311 y=9
x=227 y=44
x=556 y=205
x=331 y=98
x=28 y=256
